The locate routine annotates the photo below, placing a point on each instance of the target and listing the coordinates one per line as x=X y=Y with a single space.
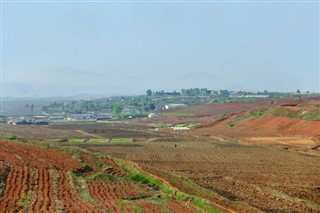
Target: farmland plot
x=35 y=179
x=262 y=177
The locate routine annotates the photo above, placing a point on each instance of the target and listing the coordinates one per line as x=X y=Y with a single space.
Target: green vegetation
x=25 y=201
x=230 y=124
x=181 y=196
x=313 y=115
x=92 y=140
x=188 y=124
x=102 y=177
x=81 y=187
x=302 y=113
x=83 y=170
x=199 y=202
x=76 y=140
x=257 y=113
x=281 y=112
x=98 y=140
x=309 y=114
x=116 y=110
x=141 y=178
x=13 y=137
x=149 y=92
x=234 y=140
x=3 y=177
x=121 y=140
x=136 y=209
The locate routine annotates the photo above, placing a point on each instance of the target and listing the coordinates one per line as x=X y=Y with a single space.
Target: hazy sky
x=62 y=49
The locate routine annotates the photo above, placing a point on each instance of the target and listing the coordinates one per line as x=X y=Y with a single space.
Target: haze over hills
x=124 y=49
x=70 y=82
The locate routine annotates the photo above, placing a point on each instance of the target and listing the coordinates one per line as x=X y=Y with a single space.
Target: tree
x=299 y=94
x=149 y=92
x=116 y=110
x=152 y=106
x=183 y=92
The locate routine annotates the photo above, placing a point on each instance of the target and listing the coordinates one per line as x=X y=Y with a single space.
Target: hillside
x=234 y=107
x=288 y=124
x=42 y=178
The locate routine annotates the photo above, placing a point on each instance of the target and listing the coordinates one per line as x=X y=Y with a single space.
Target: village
x=129 y=107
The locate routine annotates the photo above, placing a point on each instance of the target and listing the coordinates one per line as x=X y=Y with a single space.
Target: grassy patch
x=102 y=177
x=25 y=201
x=230 y=124
x=188 y=124
x=136 y=209
x=234 y=140
x=121 y=139
x=81 y=187
x=180 y=196
x=76 y=140
x=281 y=112
x=98 y=140
x=197 y=201
x=314 y=115
x=13 y=137
x=253 y=114
x=142 y=178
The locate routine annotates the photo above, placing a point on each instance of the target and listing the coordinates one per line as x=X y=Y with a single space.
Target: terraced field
x=38 y=179
x=257 y=176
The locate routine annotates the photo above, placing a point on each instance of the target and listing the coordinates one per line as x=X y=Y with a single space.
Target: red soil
x=28 y=185
x=147 y=207
x=69 y=197
x=112 y=168
x=178 y=207
x=22 y=155
x=264 y=126
x=233 y=107
x=110 y=194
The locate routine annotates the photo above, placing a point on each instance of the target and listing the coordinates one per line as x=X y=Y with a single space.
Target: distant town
x=25 y=112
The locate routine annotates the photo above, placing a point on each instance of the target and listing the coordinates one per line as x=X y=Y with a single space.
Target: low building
x=55 y=118
x=40 y=122
x=180 y=128
x=223 y=93
x=103 y=118
x=172 y=106
x=20 y=122
x=153 y=115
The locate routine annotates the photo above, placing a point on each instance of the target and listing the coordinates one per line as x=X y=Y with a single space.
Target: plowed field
x=264 y=178
x=34 y=179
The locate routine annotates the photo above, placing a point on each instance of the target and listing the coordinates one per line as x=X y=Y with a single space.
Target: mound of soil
x=276 y=121
x=234 y=107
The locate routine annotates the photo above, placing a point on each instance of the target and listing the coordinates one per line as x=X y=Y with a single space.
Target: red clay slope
x=234 y=107
x=275 y=121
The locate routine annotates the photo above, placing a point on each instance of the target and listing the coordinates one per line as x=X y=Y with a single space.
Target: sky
x=124 y=48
